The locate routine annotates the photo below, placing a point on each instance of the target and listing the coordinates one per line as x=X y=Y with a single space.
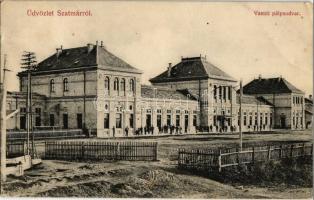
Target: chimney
x=96 y=42
x=259 y=77
x=59 y=51
x=101 y=44
x=169 y=69
x=310 y=96
x=279 y=78
x=89 y=47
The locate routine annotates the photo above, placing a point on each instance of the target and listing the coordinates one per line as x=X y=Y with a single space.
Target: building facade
x=90 y=88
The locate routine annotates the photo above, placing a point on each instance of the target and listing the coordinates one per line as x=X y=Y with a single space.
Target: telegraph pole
x=240 y=127
x=3 y=126
x=29 y=62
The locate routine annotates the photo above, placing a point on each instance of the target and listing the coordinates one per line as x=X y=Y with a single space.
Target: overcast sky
x=149 y=35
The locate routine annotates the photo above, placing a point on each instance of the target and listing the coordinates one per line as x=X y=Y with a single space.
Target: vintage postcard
x=156 y=99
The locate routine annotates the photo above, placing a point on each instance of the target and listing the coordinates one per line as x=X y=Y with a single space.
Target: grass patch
x=288 y=172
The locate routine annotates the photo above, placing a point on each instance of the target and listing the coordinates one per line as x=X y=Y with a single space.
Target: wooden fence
x=16 y=149
x=208 y=160
x=101 y=150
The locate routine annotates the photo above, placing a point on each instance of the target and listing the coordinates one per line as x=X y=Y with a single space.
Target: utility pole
x=29 y=62
x=240 y=101
x=3 y=126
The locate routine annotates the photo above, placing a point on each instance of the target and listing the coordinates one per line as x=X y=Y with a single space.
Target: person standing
x=126 y=131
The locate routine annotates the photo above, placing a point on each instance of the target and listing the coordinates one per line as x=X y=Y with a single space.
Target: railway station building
x=90 y=88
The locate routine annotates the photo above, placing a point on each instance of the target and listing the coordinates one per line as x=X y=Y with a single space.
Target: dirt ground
x=147 y=179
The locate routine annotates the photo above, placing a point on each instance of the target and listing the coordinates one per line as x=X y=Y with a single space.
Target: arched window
x=65 y=85
x=122 y=87
x=52 y=85
x=107 y=84
x=132 y=85
x=116 y=84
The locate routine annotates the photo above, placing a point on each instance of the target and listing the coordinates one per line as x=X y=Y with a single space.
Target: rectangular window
x=38 y=117
x=168 y=120
x=251 y=120
x=79 y=120
x=224 y=92
x=106 y=120
x=215 y=92
x=244 y=120
x=118 y=120
x=266 y=120
x=194 y=120
x=131 y=120
x=159 y=111
x=22 y=110
x=260 y=120
x=38 y=121
x=23 y=122
x=52 y=120
x=293 y=121
x=220 y=92
x=65 y=120
x=215 y=120
x=229 y=93
x=186 y=122
x=38 y=111
x=177 y=120
x=159 y=121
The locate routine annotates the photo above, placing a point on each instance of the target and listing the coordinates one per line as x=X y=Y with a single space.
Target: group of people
x=149 y=130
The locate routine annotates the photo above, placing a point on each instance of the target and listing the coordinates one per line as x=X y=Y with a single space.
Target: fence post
x=280 y=152
x=45 y=151
x=253 y=156
x=179 y=158
x=118 y=151
x=269 y=153
x=24 y=148
x=83 y=150
x=156 y=150
x=219 y=161
x=291 y=153
x=238 y=160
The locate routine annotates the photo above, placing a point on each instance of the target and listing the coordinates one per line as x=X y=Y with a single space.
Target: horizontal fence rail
x=46 y=134
x=212 y=159
x=101 y=150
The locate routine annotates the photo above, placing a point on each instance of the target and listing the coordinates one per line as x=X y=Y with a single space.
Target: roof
x=250 y=99
x=163 y=93
x=81 y=57
x=270 y=86
x=192 y=69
